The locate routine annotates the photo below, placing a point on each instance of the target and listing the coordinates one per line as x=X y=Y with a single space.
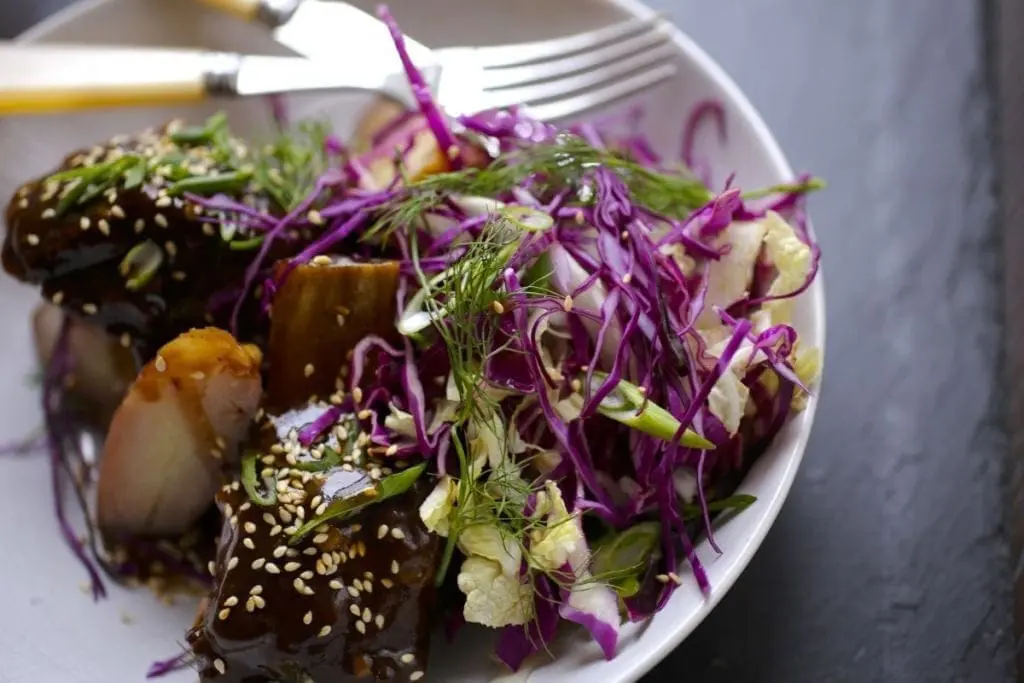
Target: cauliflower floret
x=487 y=541
x=486 y=442
x=729 y=278
x=436 y=509
x=561 y=541
x=493 y=598
x=792 y=259
x=728 y=398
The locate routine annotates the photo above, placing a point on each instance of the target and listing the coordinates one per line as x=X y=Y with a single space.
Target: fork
x=554 y=79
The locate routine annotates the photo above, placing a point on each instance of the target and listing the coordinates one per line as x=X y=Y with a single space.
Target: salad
x=474 y=371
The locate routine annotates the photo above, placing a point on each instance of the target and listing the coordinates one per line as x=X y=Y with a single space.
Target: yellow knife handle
x=41 y=79
x=243 y=9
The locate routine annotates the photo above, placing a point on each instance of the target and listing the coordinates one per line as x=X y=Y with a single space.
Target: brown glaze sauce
x=352 y=601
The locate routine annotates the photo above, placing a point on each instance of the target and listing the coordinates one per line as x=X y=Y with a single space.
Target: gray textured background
x=890 y=561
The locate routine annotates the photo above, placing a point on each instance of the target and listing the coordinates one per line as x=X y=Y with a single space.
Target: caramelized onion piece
x=182 y=417
x=103 y=367
x=320 y=313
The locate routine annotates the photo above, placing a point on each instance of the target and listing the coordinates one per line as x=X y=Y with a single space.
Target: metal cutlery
x=555 y=79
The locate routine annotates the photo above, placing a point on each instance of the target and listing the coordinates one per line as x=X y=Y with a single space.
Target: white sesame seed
x=104 y=226
x=249 y=527
x=627 y=278
x=309 y=370
x=269 y=518
x=415 y=675
x=211 y=567
x=367 y=615
x=307 y=590
x=247 y=542
x=279 y=551
x=498 y=308
x=126 y=340
x=232 y=563
x=310 y=551
x=220 y=666
x=89 y=309
x=298 y=584
x=271 y=568
x=675 y=578
x=387 y=583
x=364 y=414
x=321 y=260
x=325 y=631
x=48 y=213
x=160 y=220
x=275 y=530
x=224 y=614
x=57 y=298
x=408 y=658
x=292 y=567
x=84 y=223
x=379 y=621
x=663 y=578
x=258 y=563
x=320 y=538
x=336 y=585
x=361 y=627
x=163 y=201
x=160 y=364
x=307 y=618
x=116 y=211
x=23 y=203
x=32 y=239
x=314 y=217
x=250 y=604
x=208 y=230
x=321 y=509
x=285 y=516
x=397 y=533
x=352 y=591
x=140 y=225
x=179 y=275
x=258 y=601
x=231 y=601
x=354 y=609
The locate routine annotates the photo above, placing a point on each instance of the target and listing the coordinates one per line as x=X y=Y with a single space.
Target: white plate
x=50 y=632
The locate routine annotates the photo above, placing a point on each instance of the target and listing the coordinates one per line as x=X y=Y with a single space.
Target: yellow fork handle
x=243 y=9
x=40 y=79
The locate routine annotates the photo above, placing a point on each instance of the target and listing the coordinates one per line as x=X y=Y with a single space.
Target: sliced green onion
x=528 y=219
x=134 y=176
x=620 y=558
x=198 y=135
x=331 y=459
x=246 y=245
x=388 y=487
x=809 y=185
x=250 y=482
x=140 y=264
x=210 y=184
x=736 y=503
x=626 y=405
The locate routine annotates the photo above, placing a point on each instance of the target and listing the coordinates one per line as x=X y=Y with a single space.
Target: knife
x=38 y=79
x=324 y=29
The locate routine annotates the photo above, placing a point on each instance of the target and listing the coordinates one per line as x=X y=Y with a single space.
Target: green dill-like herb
x=566 y=163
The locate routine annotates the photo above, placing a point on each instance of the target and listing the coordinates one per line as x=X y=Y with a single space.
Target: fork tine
x=497 y=56
x=536 y=93
x=580 y=104
x=603 y=54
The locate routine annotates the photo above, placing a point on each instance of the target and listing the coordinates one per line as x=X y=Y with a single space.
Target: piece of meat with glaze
x=86 y=253
x=353 y=600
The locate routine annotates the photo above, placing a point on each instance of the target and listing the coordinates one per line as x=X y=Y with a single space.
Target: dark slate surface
x=890 y=561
